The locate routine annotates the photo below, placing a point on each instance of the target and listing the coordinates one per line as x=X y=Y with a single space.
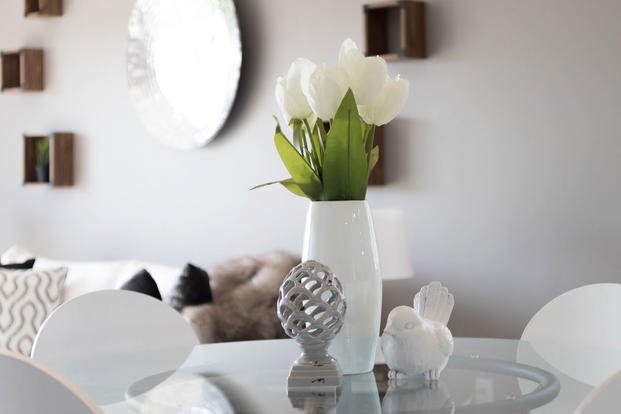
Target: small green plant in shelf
x=42 y=153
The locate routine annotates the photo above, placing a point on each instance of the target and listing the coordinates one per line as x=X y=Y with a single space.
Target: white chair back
x=604 y=399
x=587 y=318
x=28 y=387
x=106 y=340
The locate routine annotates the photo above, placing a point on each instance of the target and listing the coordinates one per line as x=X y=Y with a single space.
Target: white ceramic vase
x=340 y=235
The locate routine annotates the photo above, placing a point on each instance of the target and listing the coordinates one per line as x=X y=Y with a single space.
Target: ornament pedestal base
x=320 y=375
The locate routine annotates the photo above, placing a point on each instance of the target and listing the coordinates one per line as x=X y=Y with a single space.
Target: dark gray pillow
x=142 y=282
x=191 y=289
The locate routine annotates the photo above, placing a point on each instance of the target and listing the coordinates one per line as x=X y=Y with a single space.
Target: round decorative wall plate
x=183 y=66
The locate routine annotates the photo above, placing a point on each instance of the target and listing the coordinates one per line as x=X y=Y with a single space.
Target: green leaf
x=368 y=134
x=345 y=169
x=292 y=186
x=373 y=158
x=364 y=127
x=301 y=171
x=288 y=183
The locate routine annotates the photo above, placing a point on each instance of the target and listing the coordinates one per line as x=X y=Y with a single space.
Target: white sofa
x=84 y=276
x=247 y=288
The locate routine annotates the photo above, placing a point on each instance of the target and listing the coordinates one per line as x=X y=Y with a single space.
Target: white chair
x=605 y=399
x=28 y=387
x=105 y=341
x=586 y=318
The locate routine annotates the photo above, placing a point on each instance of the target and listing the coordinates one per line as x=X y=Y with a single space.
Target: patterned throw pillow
x=27 y=297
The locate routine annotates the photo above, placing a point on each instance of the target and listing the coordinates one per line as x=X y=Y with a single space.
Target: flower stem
x=300 y=138
x=315 y=147
x=369 y=139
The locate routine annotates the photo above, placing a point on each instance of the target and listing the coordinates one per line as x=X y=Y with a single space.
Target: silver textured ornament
x=311 y=308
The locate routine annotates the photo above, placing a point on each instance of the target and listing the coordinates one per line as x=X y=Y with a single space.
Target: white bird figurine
x=416 y=340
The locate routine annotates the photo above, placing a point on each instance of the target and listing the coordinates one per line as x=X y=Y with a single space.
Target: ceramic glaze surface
x=311 y=305
x=311 y=309
x=183 y=67
x=434 y=302
x=340 y=235
x=416 y=341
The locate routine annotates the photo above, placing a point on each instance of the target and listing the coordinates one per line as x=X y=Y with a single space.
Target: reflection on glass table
x=469 y=385
x=484 y=376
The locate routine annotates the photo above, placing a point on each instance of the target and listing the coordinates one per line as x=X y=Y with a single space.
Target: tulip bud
x=388 y=103
x=325 y=90
x=289 y=95
x=366 y=75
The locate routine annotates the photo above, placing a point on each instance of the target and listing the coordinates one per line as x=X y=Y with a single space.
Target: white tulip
x=367 y=75
x=388 y=103
x=289 y=95
x=325 y=90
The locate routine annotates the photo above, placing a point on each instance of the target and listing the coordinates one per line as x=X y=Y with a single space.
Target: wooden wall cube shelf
x=377 y=176
x=61 y=159
x=22 y=69
x=42 y=8
x=395 y=29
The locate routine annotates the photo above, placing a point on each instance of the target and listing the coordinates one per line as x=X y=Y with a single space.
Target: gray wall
x=506 y=157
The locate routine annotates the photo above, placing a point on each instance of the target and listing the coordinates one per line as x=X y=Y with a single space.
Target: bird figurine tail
x=434 y=302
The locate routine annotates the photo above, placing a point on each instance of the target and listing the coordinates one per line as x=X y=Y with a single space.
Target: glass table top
x=468 y=385
x=483 y=376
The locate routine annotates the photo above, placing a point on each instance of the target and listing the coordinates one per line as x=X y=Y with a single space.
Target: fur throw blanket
x=245 y=292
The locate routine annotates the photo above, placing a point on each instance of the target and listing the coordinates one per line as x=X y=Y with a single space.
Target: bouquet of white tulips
x=333 y=112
